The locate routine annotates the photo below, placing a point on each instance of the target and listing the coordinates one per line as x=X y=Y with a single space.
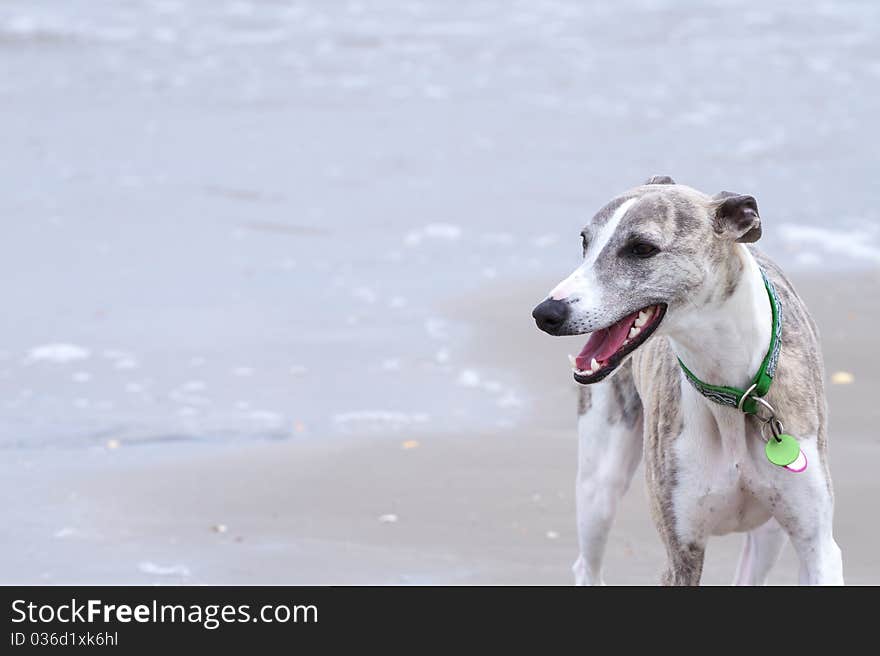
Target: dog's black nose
x=550 y=315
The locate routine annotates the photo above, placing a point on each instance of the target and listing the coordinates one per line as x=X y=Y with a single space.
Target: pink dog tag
x=798 y=465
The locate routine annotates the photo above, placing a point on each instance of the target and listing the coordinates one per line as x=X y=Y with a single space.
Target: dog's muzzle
x=551 y=315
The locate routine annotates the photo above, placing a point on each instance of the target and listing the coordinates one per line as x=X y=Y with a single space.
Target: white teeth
x=625 y=342
x=594 y=367
x=633 y=332
x=575 y=368
x=642 y=318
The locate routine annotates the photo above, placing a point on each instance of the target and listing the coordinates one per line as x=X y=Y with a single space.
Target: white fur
x=582 y=282
x=725 y=343
x=607 y=458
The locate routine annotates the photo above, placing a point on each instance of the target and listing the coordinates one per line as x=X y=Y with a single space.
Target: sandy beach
x=421 y=507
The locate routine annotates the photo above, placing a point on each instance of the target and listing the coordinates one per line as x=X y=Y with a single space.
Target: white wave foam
x=58 y=353
x=163 y=570
x=442 y=231
x=469 y=378
x=858 y=244
x=436 y=231
x=378 y=419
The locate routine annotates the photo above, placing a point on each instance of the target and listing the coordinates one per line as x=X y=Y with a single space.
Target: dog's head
x=648 y=256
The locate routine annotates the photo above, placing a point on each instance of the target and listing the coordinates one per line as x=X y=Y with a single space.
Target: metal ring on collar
x=739 y=406
x=770 y=408
x=776 y=429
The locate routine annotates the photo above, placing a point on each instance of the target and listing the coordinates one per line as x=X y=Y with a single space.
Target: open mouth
x=607 y=347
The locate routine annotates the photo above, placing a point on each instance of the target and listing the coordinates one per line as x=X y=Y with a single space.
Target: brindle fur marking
x=585 y=400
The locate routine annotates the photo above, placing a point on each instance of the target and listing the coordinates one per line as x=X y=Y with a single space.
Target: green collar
x=745 y=399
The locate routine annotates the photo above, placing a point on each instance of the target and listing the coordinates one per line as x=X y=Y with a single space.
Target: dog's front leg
x=804 y=506
x=685 y=565
x=609 y=450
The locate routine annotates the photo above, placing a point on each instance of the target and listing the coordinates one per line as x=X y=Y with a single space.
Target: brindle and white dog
x=667 y=274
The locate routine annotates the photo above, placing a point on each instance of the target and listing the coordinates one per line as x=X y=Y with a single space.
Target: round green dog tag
x=782 y=452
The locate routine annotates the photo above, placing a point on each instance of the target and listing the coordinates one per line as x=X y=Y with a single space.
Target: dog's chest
x=717 y=485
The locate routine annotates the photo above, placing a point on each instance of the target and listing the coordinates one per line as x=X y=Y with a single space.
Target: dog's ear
x=736 y=217
x=659 y=179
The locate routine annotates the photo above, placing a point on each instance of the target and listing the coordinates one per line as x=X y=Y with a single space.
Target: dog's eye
x=584 y=243
x=643 y=249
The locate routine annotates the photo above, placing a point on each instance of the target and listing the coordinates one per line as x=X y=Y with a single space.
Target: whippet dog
x=679 y=308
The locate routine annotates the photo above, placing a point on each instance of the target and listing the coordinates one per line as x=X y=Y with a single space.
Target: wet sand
x=456 y=508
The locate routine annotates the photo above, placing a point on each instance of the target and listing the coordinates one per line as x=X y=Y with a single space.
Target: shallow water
x=241 y=220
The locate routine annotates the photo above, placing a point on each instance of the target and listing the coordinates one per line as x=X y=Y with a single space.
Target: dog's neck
x=723 y=340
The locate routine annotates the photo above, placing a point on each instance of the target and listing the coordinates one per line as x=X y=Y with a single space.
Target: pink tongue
x=605 y=343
